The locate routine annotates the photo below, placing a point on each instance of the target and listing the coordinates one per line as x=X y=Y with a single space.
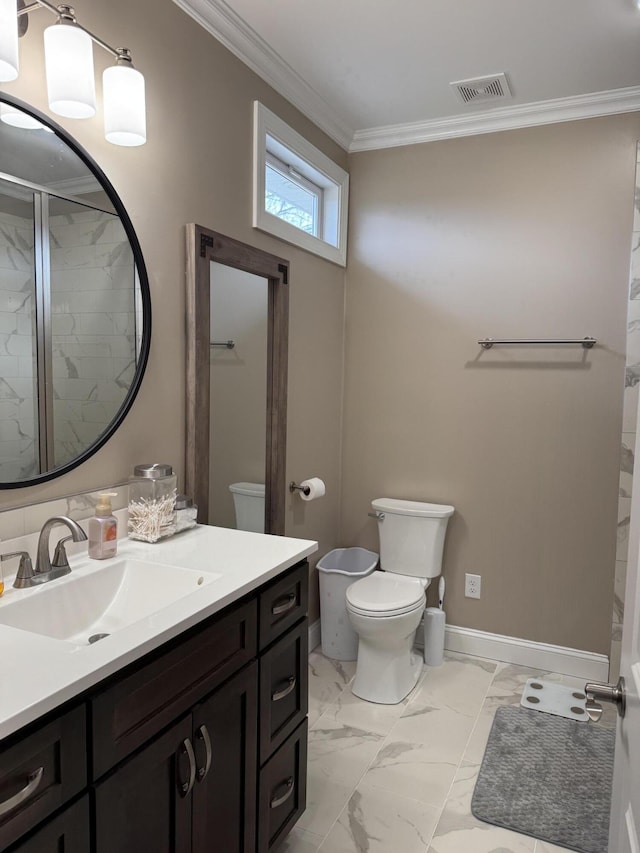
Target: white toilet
x=248 y=500
x=385 y=608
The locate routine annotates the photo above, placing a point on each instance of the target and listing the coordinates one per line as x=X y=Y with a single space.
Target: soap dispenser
x=103 y=529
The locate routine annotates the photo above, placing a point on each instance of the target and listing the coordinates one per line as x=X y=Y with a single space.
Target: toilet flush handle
x=378 y=515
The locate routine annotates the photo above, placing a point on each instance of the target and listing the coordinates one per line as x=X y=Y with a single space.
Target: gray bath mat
x=547 y=777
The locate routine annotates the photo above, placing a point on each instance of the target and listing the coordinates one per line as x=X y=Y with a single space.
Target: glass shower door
x=19 y=446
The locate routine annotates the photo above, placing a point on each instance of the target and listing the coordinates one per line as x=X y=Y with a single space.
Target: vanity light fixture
x=18 y=118
x=68 y=49
x=8 y=40
x=68 y=62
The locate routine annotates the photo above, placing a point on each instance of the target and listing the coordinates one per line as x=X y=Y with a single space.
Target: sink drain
x=95 y=637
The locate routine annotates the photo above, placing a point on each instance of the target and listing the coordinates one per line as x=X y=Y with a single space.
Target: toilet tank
x=411 y=536
x=248 y=500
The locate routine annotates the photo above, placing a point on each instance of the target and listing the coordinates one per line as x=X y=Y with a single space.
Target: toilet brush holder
x=434 y=622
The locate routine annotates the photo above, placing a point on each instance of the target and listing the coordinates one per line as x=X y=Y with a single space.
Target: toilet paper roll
x=314 y=488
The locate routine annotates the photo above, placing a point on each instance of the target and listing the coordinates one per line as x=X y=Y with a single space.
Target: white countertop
x=40 y=673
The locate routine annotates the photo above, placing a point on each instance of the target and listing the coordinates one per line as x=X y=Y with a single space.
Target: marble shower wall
x=93 y=324
x=18 y=394
x=93 y=332
x=629 y=429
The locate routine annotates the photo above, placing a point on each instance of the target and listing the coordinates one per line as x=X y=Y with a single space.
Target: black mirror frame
x=145 y=344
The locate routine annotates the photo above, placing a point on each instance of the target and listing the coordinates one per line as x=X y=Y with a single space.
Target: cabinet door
x=145 y=805
x=68 y=832
x=225 y=741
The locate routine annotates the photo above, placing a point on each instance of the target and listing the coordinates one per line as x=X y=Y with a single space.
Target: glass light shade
x=125 y=121
x=17 y=118
x=8 y=40
x=68 y=54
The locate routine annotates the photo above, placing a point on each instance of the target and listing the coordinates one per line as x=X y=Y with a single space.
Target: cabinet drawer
x=283 y=790
x=283 y=603
x=40 y=772
x=68 y=832
x=284 y=688
x=139 y=705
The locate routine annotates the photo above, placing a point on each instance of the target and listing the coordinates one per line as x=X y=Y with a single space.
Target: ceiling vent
x=492 y=88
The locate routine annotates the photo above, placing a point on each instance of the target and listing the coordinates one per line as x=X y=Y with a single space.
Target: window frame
x=274 y=137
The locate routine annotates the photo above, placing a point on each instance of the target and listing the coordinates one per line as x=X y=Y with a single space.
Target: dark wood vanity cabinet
x=41 y=770
x=284 y=700
x=67 y=832
x=192 y=788
x=198 y=747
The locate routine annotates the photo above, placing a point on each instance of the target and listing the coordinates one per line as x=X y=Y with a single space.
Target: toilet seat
x=385 y=594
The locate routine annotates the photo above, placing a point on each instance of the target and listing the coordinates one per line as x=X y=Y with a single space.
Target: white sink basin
x=103 y=600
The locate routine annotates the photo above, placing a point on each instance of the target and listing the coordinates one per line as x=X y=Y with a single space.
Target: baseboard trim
x=314 y=635
x=580 y=664
x=468 y=641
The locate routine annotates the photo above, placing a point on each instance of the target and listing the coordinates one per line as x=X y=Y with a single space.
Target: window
x=290 y=196
x=299 y=194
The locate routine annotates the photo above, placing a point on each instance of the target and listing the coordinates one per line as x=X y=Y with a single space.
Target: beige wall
x=521 y=234
x=196 y=167
x=524 y=233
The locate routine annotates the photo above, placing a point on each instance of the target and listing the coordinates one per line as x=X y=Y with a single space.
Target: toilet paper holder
x=293 y=487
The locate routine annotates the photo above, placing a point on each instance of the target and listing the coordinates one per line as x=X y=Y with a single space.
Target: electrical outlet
x=472 y=586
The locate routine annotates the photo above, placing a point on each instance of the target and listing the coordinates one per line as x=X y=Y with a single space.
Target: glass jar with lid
x=186 y=513
x=152 y=499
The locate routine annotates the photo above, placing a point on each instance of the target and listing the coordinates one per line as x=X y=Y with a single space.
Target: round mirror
x=75 y=307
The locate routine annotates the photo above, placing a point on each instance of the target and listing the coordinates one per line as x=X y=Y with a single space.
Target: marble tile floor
x=399 y=779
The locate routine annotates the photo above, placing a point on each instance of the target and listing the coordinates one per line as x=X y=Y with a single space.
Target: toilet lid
x=384 y=592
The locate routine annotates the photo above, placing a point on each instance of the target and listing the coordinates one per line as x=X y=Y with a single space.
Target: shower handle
x=599 y=692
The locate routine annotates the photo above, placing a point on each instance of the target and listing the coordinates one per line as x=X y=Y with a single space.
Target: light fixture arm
x=67 y=13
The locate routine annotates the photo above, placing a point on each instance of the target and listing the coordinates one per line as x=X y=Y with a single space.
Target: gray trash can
x=337 y=570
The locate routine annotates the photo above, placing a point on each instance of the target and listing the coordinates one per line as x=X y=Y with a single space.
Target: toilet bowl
x=386 y=607
x=385 y=613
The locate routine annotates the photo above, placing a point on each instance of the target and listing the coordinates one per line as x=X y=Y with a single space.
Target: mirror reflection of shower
x=238 y=422
x=69 y=325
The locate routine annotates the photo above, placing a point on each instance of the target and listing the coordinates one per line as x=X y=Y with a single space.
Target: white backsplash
x=20 y=527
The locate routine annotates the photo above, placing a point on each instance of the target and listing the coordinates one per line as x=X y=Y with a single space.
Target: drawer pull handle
x=203 y=735
x=282 y=605
x=185 y=787
x=30 y=788
x=284 y=691
x=278 y=801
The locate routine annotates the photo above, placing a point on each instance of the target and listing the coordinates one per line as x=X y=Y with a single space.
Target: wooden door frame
x=204 y=246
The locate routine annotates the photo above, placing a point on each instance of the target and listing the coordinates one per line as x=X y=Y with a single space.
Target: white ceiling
x=374 y=73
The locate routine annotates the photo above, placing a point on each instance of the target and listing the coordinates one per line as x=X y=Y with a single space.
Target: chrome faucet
x=45 y=570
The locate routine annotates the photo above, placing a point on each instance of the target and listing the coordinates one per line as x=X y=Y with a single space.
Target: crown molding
x=237 y=36
x=501 y=118
x=234 y=33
